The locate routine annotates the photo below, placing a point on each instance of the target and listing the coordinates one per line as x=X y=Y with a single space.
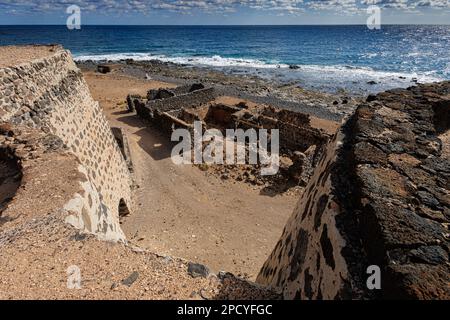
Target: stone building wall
x=51 y=94
x=44 y=160
x=189 y=100
x=307 y=262
x=380 y=196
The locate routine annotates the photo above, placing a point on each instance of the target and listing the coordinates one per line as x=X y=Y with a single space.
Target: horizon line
x=230 y=25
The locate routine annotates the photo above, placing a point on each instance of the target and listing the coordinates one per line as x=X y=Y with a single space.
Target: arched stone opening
x=10 y=178
x=123 y=209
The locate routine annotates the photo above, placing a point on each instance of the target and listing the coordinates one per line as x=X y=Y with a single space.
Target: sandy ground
x=14 y=55
x=43 y=257
x=179 y=210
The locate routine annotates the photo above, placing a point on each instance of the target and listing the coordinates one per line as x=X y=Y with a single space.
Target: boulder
x=197 y=270
x=196 y=86
x=103 y=69
x=159 y=94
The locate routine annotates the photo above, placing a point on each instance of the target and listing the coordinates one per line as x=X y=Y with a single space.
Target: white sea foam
x=213 y=61
x=324 y=77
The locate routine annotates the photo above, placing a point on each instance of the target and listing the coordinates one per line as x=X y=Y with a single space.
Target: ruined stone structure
x=172 y=109
x=50 y=94
x=378 y=193
x=64 y=181
x=379 y=196
x=165 y=100
x=39 y=250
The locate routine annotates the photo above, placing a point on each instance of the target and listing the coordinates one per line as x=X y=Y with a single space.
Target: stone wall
x=189 y=100
x=39 y=251
x=286 y=116
x=296 y=132
x=124 y=146
x=46 y=161
x=10 y=176
x=163 y=93
x=380 y=196
x=50 y=94
x=306 y=262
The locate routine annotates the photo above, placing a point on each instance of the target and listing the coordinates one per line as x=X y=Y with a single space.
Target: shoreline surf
x=332 y=78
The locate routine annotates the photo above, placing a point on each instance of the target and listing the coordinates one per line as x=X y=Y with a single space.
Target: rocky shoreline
x=288 y=96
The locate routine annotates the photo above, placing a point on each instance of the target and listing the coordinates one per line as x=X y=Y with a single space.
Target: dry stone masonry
x=49 y=93
x=380 y=196
x=38 y=248
x=301 y=144
x=377 y=192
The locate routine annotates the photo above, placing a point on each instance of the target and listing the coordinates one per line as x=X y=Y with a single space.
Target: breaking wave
x=333 y=77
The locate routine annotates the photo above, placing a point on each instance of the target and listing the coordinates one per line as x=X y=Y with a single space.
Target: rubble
x=300 y=142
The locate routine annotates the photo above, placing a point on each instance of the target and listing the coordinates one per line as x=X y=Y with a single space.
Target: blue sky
x=224 y=11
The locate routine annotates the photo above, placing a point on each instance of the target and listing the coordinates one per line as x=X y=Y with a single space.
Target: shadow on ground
x=152 y=141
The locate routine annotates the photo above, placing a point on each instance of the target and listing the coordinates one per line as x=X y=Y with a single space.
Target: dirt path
x=179 y=210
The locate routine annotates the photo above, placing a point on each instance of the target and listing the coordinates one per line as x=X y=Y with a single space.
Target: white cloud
x=218 y=6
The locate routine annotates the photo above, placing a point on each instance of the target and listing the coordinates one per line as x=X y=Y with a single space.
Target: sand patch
x=14 y=55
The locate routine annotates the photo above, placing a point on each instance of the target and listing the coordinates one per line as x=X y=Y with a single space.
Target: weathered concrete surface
x=380 y=196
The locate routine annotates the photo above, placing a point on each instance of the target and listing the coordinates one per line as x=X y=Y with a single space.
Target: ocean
x=328 y=58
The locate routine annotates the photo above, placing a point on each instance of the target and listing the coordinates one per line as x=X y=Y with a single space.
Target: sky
x=224 y=12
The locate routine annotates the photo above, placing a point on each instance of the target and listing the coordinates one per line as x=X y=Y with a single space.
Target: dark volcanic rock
x=403 y=179
x=103 y=69
x=196 y=270
x=196 y=86
x=371 y=98
x=159 y=94
x=130 y=279
x=388 y=197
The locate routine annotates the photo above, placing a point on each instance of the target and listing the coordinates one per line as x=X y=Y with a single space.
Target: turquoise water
x=327 y=57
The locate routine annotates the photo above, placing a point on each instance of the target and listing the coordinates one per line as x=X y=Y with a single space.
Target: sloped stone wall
x=307 y=262
x=45 y=164
x=10 y=177
x=380 y=196
x=50 y=94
